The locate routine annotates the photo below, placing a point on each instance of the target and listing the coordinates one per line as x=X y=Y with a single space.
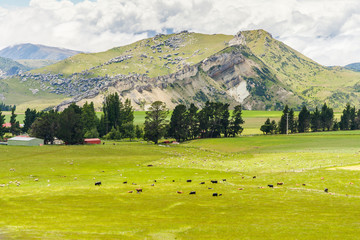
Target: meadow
x=57 y=198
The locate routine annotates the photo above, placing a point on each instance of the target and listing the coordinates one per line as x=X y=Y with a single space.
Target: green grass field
x=65 y=204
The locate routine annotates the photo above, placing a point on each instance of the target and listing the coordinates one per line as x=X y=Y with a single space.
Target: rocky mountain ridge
x=250 y=68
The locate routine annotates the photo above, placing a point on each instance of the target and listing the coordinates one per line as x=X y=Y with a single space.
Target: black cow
x=270 y=185
x=193 y=192
x=188 y=180
x=202 y=183
x=326 y=190
x=125 y=182
x=215 y=194
x=97 y=183
x=214 y=181
x=224 y=180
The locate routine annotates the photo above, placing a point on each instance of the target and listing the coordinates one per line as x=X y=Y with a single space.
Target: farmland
x=64 y=203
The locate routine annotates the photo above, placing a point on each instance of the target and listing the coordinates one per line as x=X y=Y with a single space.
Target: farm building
x=25 y=141
x=92 y=141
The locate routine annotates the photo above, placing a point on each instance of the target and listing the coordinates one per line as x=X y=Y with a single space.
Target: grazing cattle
x=326 y=190
x=130 y=191
x=220 y=194
x=202 y=183
x=154 y=180
x=152 y=184
x=173 y=181
x=215 y=194
x=242 y=177
x=224 y=180
x=280 y=183
x=97 y=183
x=209 y=188
x=150 y=165
x=270 y=185
x=188 y=180
x=240 y=188
x=214 y=181
x=139 y=190
x=254 y=176
x=180 y=192
x=125 y=182
x=304 y=184
x=193 y=192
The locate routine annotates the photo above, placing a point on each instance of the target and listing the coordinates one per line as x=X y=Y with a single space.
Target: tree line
x=4 y=107
x=315 y=121
x=75 y=123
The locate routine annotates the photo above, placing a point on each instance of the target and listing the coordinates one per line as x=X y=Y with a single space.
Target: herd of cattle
x=139 y=190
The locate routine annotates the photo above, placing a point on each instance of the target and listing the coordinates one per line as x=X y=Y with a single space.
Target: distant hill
x=10 y=67
x=32 y=51
x=251 y=68
x=354 y=66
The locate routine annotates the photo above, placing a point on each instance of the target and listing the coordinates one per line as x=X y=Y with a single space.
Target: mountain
x=9 y=67
x=353 y=66
x=251 y=68
x=32 y=51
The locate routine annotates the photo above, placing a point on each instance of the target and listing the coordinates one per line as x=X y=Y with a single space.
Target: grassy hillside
x=23 y=94
x=305 y=77
x=271 y=73
x=146 y=59
x=57 y=199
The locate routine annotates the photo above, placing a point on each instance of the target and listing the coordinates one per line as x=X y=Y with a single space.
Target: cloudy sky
x=327 y=31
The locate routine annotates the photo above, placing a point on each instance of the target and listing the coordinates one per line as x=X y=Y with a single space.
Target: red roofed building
x=92 y=141
x=7 y=125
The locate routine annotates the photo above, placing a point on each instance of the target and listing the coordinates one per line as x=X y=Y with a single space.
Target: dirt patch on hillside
x=354 y=168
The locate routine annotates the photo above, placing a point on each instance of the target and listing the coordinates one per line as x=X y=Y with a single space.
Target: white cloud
x=327 y=31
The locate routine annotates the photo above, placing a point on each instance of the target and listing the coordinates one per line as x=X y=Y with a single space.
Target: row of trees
x=188 y=123
x=4 y=107
x=318 y=120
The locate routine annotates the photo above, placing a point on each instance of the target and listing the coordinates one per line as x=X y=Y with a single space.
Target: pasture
x=57 y=198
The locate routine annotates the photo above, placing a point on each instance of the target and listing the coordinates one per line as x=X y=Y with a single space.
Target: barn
x=92 y=141
x=25 y=141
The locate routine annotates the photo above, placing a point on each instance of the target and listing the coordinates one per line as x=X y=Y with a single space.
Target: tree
x=71 y=129
x=138 y=132
x=315 y=120
x=267 y=127
x=304 y=120
x=2 y=129
x=128 y=130
x=155 y=122
x=284 y=124
x=327 y=117
x=193 y=122
x=112 y=107
x=15 y=126
x=236 y=121
x=45 y=126
x=30 y=116
x=179 y=128
x=89 y=120
x=292 y=123
x=345 y=119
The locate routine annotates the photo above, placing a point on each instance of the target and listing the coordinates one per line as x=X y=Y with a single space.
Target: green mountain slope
x=250 y=68
x=9 y=67
x=306 y=78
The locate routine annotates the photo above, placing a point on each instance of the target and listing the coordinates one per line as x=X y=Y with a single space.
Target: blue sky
x=327 y=31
